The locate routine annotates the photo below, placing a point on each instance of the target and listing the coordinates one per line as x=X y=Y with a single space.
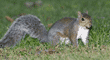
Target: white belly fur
x=83 y=34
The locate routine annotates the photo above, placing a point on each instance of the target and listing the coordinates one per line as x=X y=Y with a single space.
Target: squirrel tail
x=28 y=24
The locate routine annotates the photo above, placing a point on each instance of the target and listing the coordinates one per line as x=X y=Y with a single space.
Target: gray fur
x=28 y=24
x=59 y=27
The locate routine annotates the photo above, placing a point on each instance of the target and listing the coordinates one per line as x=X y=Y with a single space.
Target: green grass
x=99 y=38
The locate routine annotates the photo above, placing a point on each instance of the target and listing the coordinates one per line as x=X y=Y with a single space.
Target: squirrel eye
x=82 y=19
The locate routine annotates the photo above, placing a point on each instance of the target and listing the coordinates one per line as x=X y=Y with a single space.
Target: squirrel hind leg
x=66 y=40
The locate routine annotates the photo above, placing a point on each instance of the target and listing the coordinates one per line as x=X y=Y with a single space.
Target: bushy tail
x=28 y=24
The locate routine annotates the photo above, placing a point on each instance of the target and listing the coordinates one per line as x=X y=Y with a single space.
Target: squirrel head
x=84 y=19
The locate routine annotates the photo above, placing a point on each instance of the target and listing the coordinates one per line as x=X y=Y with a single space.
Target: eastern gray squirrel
x=66 y=29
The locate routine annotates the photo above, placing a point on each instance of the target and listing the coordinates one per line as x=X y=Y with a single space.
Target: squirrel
x=66 y=29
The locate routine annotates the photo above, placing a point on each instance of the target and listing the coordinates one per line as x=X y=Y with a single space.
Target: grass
x=27 y=49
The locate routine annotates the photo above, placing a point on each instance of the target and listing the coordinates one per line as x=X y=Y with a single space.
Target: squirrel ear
x=86 y=12
x=79 y=14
